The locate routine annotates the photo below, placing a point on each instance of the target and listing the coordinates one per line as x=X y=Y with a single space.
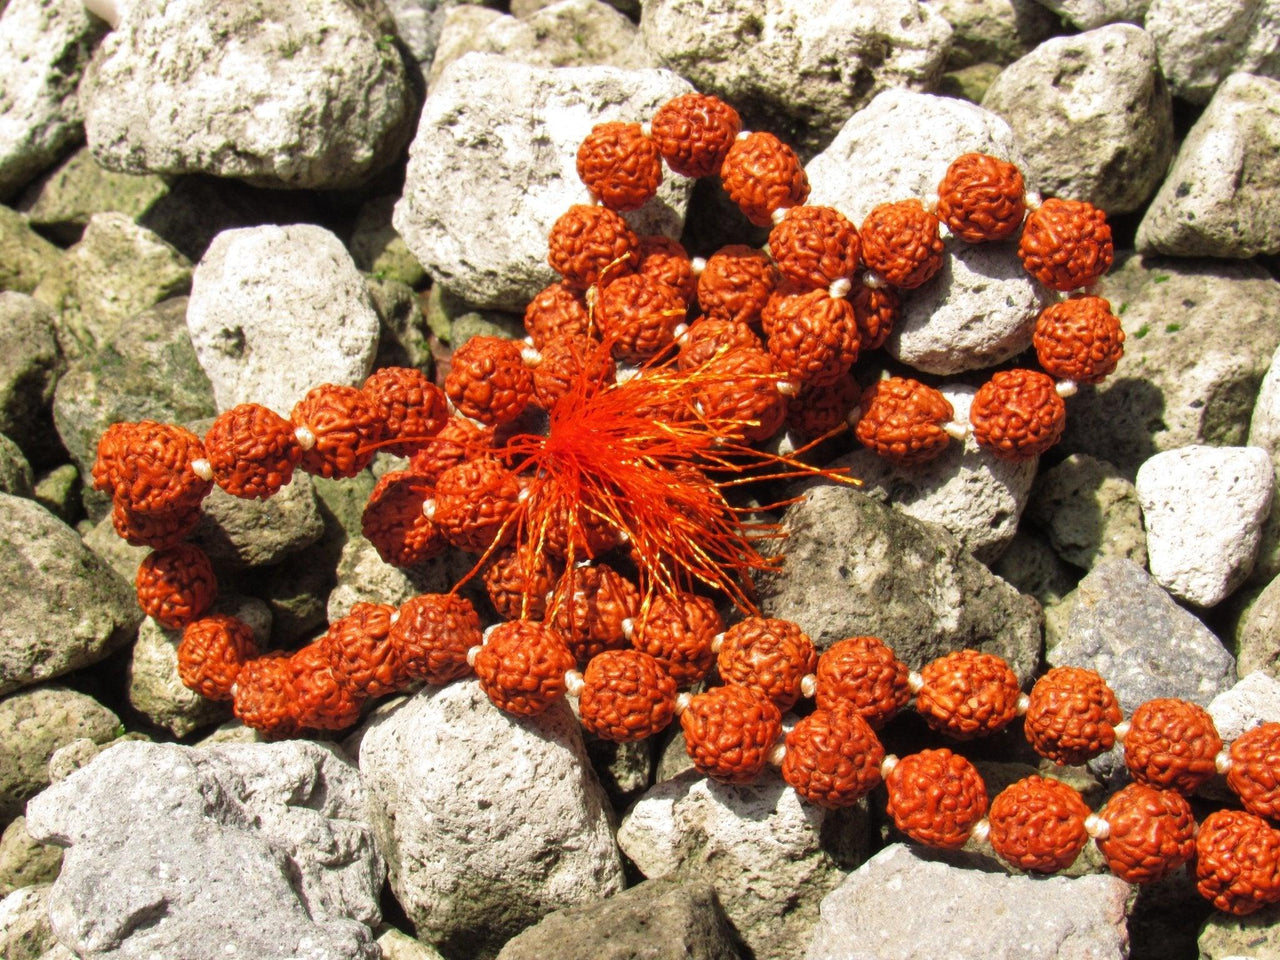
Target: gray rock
x=376 y=248
x=1256 y=936
x=23 y=861
x=261 y=846
x=1201 y=43
x=44 y=46
x=1092 y=115
x=882 y=912
x=993 y=31
x=25 y=931
x=851 y=566
x=301 y=93
x=1258 y=637
x=1264 y=431
x=1199 y=338
x=1124 y=626
x=16 y=477
x=239 y=533
x=504 y=137
x=33 y=724
x=29 y=369
x=1089 y=14
x=64 y=607
x=1221 y=198
x=489 y=822
x=1254 y=700
x=1035 y=568
x=26 y=258
x=1089 y=512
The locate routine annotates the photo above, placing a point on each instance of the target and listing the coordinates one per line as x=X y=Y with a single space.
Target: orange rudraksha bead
x=1171 y=744
x=863 y=674
x=707 y=337
x=211 y=653
x=936 y=797
x=1150 y=833
x=694 y=132
x=362 y=657
x=812 y=336
x=264 y=697
x=394 y=523
x=518 y=579
x=564 y=360
x=1037 y=824
x=344 y=426
x=557 y=310
x=762 y=174
x=1238 y=861
x=638 y=316
x=411 y=407
x=252 y=451
x=432 y=635
x=1071 y=716
x=736 y=283
x=729 y=732
x=815 y=246
x=620 y=165
x=156 y=530
x=522 y=666
x=817 y=411
x=665 y=260
x=590 y=244
x=833 y=758
x=677 y=631
x=149 y=467
x=904 y=421
x=968 y=694
x=590 y=607
x=1079 y=339
x=323 y=700
x=176 y=585
x=488 y=380
x=1255 y=770
x=1017 y=414
x=982 y=198
x=626 y=696
x=768 y=655
x=900 y=242
x=458 y=440
x=1066 y=244
x=742 y=387
x=875 y=310
x=473 y=502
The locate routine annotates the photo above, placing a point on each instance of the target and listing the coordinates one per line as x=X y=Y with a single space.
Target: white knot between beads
x=839 y=288
x=306 y=439
x=573 y=683
x=1222 y=762
x=202 y=469
x=1066 y=388
x=1096 y=827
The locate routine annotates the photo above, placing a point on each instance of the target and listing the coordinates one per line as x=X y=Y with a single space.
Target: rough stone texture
x=23 y=861
x=1035 y=568
x=1092 y=115
x=1201 y=43
x=1258 y=637
x=1264 y=431
x=44 y=45
x=493 y=166
x=238 y=533
x=1088 y=14
x=296 y=93
x=878 y=913
x=16 y=477
x=25 y=932
x=376 y=248
x=178 y=851
x=992 y=31
x=1089 y=512
x=1222 y=195
x=770 y=857
x=489 y=822
x=276 y=311
x=853 y=566
x=1254 y=700
x=26 y=258
x=1257 y=936
x=65 y=608
x=980 y=308
x=1199 y=337
x=33 y=724
x=1204 y=508
x=1124 y=626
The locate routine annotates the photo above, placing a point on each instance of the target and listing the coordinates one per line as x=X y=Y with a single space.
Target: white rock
x=1088 y=14
x=275 y=311
x=1201 y=42
x=1254 y=700
x=1203 y=508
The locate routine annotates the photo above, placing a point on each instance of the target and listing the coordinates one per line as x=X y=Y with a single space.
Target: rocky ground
x=207 y=202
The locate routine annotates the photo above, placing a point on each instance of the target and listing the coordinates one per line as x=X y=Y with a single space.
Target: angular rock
x=1221 y=197
x=1092 y=115
x=851 y=566
x=1254 y=700
x=993 y=31
x=1089 y=512
x=489 y=821
x=238 y=533
x=16 y=477
x=1089 y=14
x=26 y=258
x=25 y=931
x=1258 y=637
x=1201 y=43
x=1203 y=508
x=23 y=861
x=296 y=93
x=261 y=846
x=276 y=311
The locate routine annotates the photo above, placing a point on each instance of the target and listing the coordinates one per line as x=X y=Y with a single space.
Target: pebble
x=1089 y=512
x=1201 y=43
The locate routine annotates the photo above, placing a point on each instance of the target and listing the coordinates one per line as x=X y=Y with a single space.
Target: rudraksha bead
x=488 y=380
x=833 y=758
x=709 y=336
x=762 y=174
x=1150 y=833
x=1079 y=339
x=968 y=694
x=742 y=387
x=637 y=316
x=816 y=411
x=815 y=246
x=432 y=636
x=935 y=798
x=1171 y=744
x=677 y=631
x=620 y=165
x=156 y=530
x=812 y=335
x=1017 y=414
x=1066 y=244
x=729 y=732
x=1071 y=716
x=694 y=132
x=590 y=244
x=151 y=467
x=900 y=242
x=1238 y=861
x=589 y=607
x=264 y=697
x=904 y=421
x=522 y=666
x=211 y=653
x=473 y=502
x=626 y=696
x=252 y=451
x=411 y=407
x=459 y=439
x=394 y=523
x=768 y=655
x=322 y=700
x=1038 y=824
x=518 y=579
x=557 y=310
x=875 y=310
x=1255 y=770
x=736 y=283
x=344 y=424
x=176 y=585
x=863 y=673
x=665 y=260
x=363 y=658
x=982 y=198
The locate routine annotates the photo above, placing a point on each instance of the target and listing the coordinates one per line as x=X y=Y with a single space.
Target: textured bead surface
x=761 y=174
x=903 y=420
x=968 y=694
x=875 y=310
x=1151 y=833
x=488 y=380
x=677 y=631
x=833 y=758
x=620 y=165
x=815 y=246
x=736 y=283
x=768 y=655
x=264 y=696
x=212 y=652
x=1037 y=824
x=411 y=407
x=1066 y=244
x=638 y=315
x=394 y=523
x=147 y=467
x=432 y=636
x=362 y=656
x=252 y=451
x=1079 y=339
x=741 y=391
x=1071 y=716
x=557 y=310
x=812 y=336
x=473 y=502
x=522 y=666
x=1171 y=744
x=345 y=425
x=982 y=198
x=176 y=585
x=1238 y=861
x=322 y=700
x=626 y=696
x=665 y=260
x=729 y=731
x=862 y=673
x=1017 y=414
x=589 y=607
x=157 y=530
x=1255 y=770
x=694 y=132
x=900 y=242
x=588 y=243
x=936 y=797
